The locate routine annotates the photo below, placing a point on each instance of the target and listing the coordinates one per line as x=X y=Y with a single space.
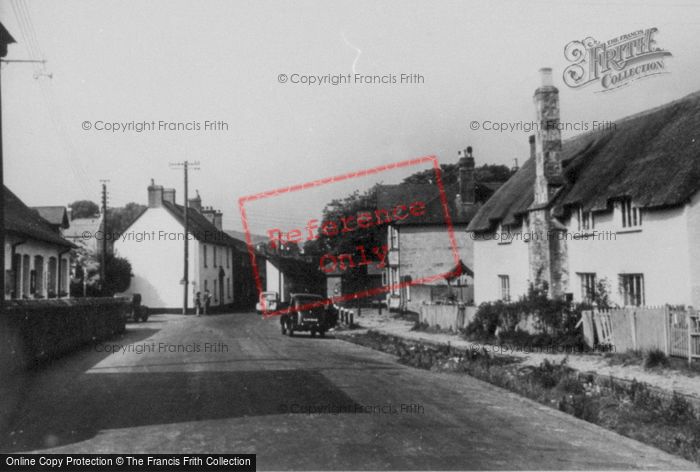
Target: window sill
x=628 y=230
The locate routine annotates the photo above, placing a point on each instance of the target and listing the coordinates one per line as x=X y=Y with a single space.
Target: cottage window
x=505 y=287
x=631 y=215
x=394 y=279
x=204 y=249
x=228 y=257
x=393 y=238
x=586 y=220
x=632 y=289
x=213 y=259
x=587 y=286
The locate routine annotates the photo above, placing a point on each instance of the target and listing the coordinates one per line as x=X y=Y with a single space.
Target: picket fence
x=673 y=330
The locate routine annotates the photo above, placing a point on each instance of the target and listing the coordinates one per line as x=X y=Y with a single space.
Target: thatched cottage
x=620 y=205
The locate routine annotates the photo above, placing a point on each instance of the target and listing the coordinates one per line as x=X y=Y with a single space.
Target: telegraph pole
x=5 y=39
x=185 y=165
x=103 y=259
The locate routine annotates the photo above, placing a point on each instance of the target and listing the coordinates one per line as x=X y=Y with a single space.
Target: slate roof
x=388 y=196
x=23 y=221
x=200 y=227
x=652 y=157
x=79 y=226
x=55 y=215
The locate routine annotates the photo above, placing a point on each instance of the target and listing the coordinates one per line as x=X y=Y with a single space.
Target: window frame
x=632 y=289
x=504 y=280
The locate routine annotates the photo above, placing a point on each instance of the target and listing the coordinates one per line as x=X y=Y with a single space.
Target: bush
x=655 y=358
x=555 y=320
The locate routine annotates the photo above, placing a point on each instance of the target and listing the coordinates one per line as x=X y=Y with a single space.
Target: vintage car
x=268 y=301
x=308 y=312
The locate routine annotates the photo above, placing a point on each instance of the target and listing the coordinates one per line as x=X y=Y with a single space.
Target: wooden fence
x=673 y=330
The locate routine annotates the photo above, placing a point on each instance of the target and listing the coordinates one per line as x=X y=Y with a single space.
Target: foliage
x=655 y=358
x=84 y=209
x=450 y=172
x=118 y=274
x=555 y=320
x=119 y=219
x=347 y=242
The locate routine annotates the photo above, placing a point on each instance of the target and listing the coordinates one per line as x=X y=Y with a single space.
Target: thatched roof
x=652 y=157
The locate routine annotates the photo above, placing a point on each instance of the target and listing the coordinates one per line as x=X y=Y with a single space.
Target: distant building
x=287 y=275
x=88 y=233
x=618 y=205
x=420 y=247
x=37 y=260
x=154 y=245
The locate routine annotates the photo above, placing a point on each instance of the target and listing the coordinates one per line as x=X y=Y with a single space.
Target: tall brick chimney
x=548 y=168
x=155 y=195
x=466 y=178
x=196 y=202
x=218 y=220
x=548 y=258
x=169 y=195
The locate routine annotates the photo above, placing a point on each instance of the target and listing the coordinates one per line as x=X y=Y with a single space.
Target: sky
x=190 y=61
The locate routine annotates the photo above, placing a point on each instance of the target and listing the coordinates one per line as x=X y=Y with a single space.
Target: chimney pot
x=546 y=75
x=155 y=195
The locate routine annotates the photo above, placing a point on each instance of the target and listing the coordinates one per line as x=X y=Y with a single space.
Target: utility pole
x=185 y=166
x=5 y=40
x=103 y=259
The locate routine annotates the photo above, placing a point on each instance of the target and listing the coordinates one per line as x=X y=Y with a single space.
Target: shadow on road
x=92 y=402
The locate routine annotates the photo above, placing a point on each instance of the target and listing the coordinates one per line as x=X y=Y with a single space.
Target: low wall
x=32 y=331
x=452 y=317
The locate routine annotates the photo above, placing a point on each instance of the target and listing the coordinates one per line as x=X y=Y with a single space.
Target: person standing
x=198 y=303
x=207 y=301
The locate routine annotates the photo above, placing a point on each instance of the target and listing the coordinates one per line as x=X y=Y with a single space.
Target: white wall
x=663 y=249
x=274 y=281
x=426 y=250
x=693 y=258
x=34 y=248
x=493 y=258
x=157 y=262
x=659 y=250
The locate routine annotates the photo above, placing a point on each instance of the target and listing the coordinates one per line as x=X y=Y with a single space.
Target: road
x=251 y=391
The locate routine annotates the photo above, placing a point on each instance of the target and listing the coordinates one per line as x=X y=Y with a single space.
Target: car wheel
x=313 y=333
x=322 y=333
x=284 y=328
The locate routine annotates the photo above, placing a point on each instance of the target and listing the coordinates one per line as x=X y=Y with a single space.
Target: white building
x=37 y=258
x=154 y=245
x=420 y=247
x=618 y=205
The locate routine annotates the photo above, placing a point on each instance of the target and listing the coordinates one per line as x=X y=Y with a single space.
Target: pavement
x=233 y=384
x=684 y=382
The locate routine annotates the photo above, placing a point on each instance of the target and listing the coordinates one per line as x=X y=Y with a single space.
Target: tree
x=450 y=174
x=119 y=219
x=84 y=209
x=348 y=242
x=117 y=275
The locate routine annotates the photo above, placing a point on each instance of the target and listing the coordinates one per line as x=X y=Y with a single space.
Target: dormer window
x=586 y=220
x=631 y=215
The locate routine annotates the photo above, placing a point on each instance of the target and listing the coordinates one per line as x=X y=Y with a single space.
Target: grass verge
x=633 y=409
